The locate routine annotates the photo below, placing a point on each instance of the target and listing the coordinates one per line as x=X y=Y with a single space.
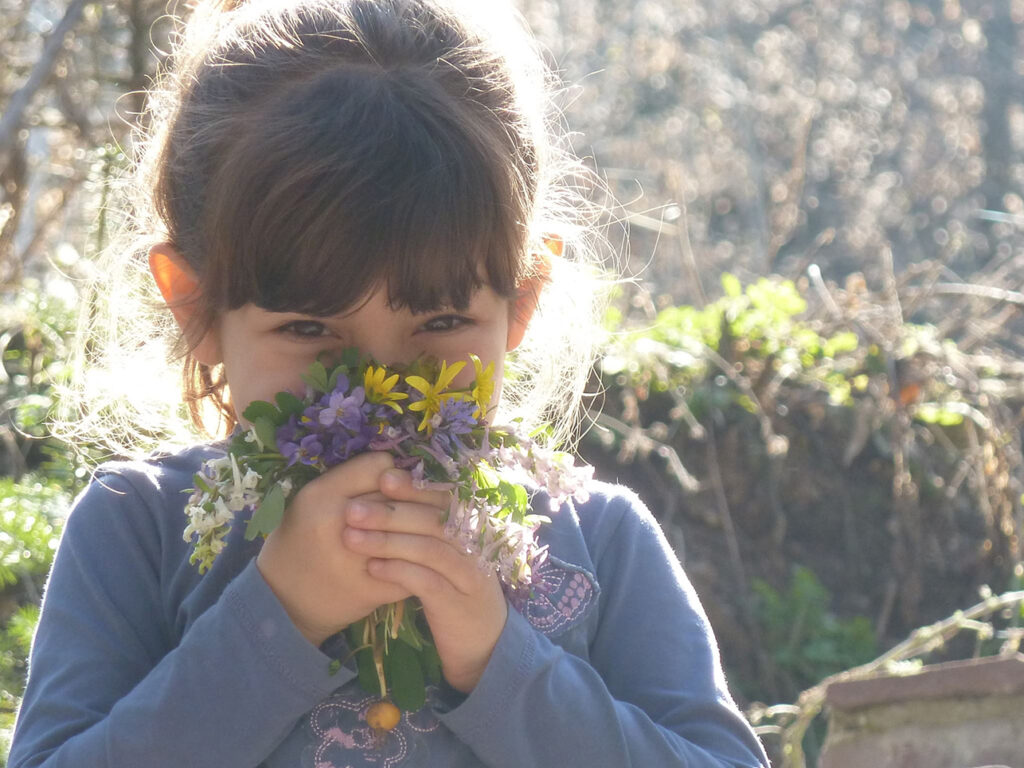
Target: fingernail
x=356 y=536
x=394 y=478
x=357 y=511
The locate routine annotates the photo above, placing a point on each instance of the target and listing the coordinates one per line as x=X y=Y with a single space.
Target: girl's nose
x=383 y=343
x=381 y=332
x=386 y=353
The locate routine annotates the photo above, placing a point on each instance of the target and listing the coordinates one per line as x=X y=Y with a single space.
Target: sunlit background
x=830 y=433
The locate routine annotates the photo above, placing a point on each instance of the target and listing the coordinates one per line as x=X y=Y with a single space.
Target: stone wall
x=960 y=714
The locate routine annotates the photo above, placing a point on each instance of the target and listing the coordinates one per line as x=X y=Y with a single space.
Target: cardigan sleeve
x=652 y=691
x=111 y=685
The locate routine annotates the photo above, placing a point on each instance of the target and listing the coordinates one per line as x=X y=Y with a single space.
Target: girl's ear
x=179 y=286
x=521 y=311
x=529 y=292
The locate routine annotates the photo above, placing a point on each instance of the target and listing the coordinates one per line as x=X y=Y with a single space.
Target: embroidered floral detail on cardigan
x=563 y=594
x=346 y=741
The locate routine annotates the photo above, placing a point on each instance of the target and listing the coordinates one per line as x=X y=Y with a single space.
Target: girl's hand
x=406 y=546
x=323 y=585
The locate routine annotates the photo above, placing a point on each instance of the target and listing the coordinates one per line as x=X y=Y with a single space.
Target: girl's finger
x=420 y=580
x=459 y=570
x=355 y=477
x=426 y=550
x=397 y=484
x=397 y=516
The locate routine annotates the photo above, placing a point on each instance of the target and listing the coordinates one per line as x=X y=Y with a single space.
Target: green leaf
x=405 y=676
x=316 y=377
x=513 y=499
x=266 y=431
x=731 y=285
x=242 y=446
x=932 y=413
x=431 y=663
x=540 y=432
x=354 y=633
x=845 y=341
x=350 y=357
x=348 y=364
x=407 y=631
x=267 y=515
x=201 y=483
x=290 y=405
x=367 y=672
x=261 y=409
x=486 y=478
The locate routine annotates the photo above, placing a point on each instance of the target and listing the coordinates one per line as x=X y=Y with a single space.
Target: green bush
x=878 y=454
x=31 y=513
x=807 y=642
x=38 y=474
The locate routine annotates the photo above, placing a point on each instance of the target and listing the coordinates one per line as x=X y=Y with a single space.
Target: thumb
x=397 y=484
x=355 y=477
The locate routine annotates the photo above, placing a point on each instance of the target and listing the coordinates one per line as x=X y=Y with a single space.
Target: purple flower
x=309 y=450
x=454 y=418
x=343 y=409
x=457 y=416
x=345 y=444
x=419 y=480
x=308 y=419
x=288 y=432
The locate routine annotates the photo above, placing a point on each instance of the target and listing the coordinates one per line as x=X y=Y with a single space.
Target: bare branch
x=979 y=291
x=14 y=115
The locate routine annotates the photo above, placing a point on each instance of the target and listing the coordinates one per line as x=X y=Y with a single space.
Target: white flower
x=223 y=513
x=242 y=491
x=252 y=437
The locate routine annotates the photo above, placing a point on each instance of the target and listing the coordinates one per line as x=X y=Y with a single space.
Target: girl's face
x=265 y=352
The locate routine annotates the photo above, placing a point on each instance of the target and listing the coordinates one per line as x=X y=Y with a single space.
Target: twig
x=969 y=289
x=686 y=248
x=825 y=237
x=889 y=289
x=733 y=545
x=795 y=180
x=775 y=444
x=932 y=276
x=976 y=456
x=814 y=273
x=647 y=444
x=1000 y=217
x=19 y=102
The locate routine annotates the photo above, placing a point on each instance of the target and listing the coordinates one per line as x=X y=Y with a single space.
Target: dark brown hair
x=318 y=150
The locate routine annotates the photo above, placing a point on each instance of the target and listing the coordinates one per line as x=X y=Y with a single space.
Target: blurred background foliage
x=814 y=379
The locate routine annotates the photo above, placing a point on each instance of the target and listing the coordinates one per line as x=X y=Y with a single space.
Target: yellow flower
x=433 y=394
x=483 y=386
x=378 y=389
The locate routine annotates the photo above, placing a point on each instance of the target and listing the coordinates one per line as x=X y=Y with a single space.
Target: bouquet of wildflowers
x=438 y=433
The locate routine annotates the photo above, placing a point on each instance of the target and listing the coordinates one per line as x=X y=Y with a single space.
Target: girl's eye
x=306 y=329
x=444 y=323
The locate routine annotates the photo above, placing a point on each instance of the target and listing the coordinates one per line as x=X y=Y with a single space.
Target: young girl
x=362 y=173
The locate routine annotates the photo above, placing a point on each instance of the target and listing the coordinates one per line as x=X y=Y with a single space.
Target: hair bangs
x=385 y=187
